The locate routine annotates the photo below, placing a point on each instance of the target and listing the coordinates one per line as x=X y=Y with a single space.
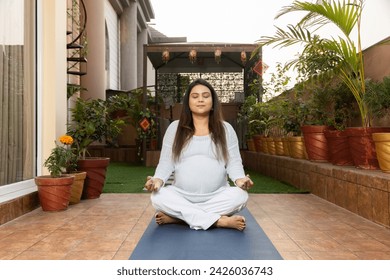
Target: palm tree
x=346 y=54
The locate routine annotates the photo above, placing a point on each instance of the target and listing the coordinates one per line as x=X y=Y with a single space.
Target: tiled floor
x=301 y=226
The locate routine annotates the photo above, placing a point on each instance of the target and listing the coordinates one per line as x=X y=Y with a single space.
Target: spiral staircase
x=76 y=45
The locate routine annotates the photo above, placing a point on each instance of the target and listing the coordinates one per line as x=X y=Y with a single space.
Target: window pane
x=16 y=90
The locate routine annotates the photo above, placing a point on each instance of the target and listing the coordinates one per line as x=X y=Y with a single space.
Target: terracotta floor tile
x=294 y=255
x=8 y=255
x=98 y=245
x=373 y=255
x=332 y=255
x=308 y=235
x=285 y=245
x=5 y=233
x=346 y=235
x=366 y=245
x=33 y=235
x=318 y=244
x=90 y=255
x=54 y=245
x=40 y=255
x=16 y=246
x=301 y=227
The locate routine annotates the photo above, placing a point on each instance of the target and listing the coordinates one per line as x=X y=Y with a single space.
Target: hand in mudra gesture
x=244 y=183
x=153 y=184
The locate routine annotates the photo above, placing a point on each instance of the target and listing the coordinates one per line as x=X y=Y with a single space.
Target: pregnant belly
x=199 y=176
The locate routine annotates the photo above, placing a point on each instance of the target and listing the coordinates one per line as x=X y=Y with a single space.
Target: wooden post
x=145 y=95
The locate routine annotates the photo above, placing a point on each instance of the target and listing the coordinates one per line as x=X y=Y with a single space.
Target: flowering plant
x=62 y=158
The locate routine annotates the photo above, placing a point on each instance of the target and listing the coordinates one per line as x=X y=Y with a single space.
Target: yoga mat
x=179 y=242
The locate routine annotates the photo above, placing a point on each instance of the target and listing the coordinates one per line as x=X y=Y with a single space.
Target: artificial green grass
x=130 y=178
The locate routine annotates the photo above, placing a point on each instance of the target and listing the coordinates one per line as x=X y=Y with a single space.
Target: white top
x=198 y=171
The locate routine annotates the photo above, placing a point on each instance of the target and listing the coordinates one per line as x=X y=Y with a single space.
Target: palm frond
x=343 y=14
x=282 y=38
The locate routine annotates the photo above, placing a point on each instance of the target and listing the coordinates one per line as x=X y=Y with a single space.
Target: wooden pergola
x=178 y=59
x=175 y=58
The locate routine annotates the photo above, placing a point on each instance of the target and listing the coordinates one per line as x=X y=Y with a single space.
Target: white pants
x=199 y=211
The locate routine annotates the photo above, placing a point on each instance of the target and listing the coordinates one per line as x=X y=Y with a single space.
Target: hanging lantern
x=217 y=55
x=192 y=56
x=165 y=56
x=243 y=57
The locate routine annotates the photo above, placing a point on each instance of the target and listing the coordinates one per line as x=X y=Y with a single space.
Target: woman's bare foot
x=235 y=222
x=162 y=218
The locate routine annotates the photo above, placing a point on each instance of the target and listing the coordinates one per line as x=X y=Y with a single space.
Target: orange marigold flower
x=66 y=139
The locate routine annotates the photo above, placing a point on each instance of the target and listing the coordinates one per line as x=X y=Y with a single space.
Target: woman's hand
x=153 y=184
x=244 y=183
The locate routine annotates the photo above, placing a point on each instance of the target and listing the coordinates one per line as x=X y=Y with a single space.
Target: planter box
x=364 y=192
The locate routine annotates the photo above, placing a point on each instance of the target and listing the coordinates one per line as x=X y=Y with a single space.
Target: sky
x=246 y=21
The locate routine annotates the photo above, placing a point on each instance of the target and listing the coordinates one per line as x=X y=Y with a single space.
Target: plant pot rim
x=94 y=158
x=49 y=176
x=381 y=136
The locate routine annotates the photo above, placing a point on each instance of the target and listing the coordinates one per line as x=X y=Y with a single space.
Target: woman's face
x=200 y=100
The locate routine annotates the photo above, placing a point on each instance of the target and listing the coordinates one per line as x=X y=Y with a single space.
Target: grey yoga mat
x=179 y=242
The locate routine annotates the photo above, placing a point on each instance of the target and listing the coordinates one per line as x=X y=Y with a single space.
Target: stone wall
x=364 y=192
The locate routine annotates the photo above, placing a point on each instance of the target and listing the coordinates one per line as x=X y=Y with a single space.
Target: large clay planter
x=264 y=146
x=362 y=146
x=297 y=147
x=286 y=146
x=77 y=187
x=315 y=142
x=250 y=144
x=258 y=142
x=270 y=145
x=279 y=148
x=382 y=147
x=338 y=147
x=54 y=193
x=96 y=169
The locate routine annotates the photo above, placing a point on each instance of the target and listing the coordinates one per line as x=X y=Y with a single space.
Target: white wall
x=112 y=22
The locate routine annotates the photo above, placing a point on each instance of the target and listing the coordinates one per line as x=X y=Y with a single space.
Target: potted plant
x=319 y=114
x=54 y=190
x=258 y=121
x=92 y=122
x=378 y=99
x=243 y=118
x=342 y=115
x=341 y=57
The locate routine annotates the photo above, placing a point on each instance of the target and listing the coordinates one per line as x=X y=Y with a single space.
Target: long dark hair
x=186 y=128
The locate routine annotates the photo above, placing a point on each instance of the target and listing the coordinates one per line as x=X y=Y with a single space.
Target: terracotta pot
x=279 y=148
x=270 y=145
x=250 y=144
x=77 y=187
x=297 y=147
x=382 y=147
x=264 y=146
x=315 y=142
x=286 y=148
x=338 y=147
x=54 y=193
x=362 y=147
x=258 y=142
x=96 y=169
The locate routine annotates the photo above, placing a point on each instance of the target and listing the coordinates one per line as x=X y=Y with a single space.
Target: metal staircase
x=76 y=45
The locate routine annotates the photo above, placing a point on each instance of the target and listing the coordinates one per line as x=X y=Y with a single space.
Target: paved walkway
x=301 y=226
